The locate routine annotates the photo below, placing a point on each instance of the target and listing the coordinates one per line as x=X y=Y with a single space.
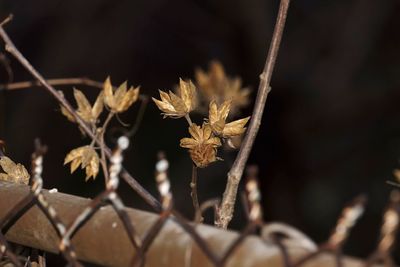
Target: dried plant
x=223 y=95
x=121 y=99
x=88 y=113
x=117 y=101
x=216 y=85
x=13 y=172
x=175 y=106
x=85 y=156
x=202 y=145
x=205 y=140
x=217 y=119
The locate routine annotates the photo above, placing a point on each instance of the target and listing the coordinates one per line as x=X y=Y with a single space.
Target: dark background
x=331 y=126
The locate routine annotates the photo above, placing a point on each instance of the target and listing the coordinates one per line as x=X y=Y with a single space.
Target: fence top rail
x=103 y=240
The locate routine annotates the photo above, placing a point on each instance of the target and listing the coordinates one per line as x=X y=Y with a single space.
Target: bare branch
x=11 y=48
x=6 y=20
x=226 y=209
x=52 y=82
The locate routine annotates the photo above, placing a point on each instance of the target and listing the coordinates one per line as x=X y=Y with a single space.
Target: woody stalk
x=226 y=209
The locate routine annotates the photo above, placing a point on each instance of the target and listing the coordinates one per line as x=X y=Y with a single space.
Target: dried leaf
x=85 y=156
x=85 y=110
x=98 y=105
x=217 y=116
x=216 y=85
x=93 y=168
x=75 y=164
x=235 y=128
x=88 y=113
x=16 y=173
x=84 y=107
x=67 y=114
x=175 y=106
x=129 y=98
x=188 y=93
x=120 y=100
x=108 y=93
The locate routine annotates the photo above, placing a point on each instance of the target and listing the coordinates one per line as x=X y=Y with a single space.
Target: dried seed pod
x=175 y=106
x=202 y=145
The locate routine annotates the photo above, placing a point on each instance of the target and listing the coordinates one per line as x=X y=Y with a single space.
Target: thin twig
x=103 y=145
x=393 y=183
x=6 y=20
x=211 y=203
x=6 y=64
x=226 y=209
x=188 y=119
x=11 y=48
x=52 y=82
x=139 y=117
x=193 y=194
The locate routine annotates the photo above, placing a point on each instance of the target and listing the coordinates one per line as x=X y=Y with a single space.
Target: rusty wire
x=279 y=234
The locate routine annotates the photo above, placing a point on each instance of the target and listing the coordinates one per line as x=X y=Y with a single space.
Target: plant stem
x=102 y=147
x=53 y=82
x=139 y=118
x=195 y=200
x=12 y=49
x=187 y=117
x=225 y=211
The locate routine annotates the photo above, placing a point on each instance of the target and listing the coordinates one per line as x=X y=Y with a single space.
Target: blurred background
x=330 y=131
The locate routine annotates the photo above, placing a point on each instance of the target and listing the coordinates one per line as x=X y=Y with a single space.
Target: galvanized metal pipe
x=103 y=240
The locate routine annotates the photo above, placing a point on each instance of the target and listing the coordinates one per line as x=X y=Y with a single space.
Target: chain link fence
x=229 y=250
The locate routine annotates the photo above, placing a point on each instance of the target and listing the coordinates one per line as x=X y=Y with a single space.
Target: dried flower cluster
x=202 y=145
x=85 y=156
x=205 y=139
x=120 y=100
x=13 y=172
x=216 y=85
x=175 y=106
x=117 y=101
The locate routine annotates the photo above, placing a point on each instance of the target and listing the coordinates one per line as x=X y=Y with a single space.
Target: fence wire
x=281 y=235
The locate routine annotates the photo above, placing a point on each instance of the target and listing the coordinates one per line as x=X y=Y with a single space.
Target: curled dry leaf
x=85 y=156
x=13 y=172
x=215 y=84
x=175 y=106
x=217 y=119
x=202 y=145
x=85 y=110
x=120 y=100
